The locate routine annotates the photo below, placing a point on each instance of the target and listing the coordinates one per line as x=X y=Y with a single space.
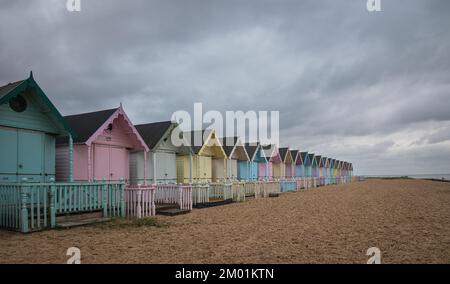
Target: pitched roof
x=86 y=124
x=153 y=132
x=303 y=155
x=226 y=144
x=311 y=158
x=318 y=159
x=204 y=133
x=269 y=151
x=251 y=149
x=11 y=90
x=283 y=152
x=4 y=90
x=294 y=154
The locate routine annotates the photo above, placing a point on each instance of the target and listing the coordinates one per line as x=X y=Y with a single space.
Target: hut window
x=18 y=104
x=109 y=129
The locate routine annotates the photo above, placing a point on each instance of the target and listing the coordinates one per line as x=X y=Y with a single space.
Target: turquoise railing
x=33 y=206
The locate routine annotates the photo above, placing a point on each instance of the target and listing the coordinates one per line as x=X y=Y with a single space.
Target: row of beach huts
x=60 y=171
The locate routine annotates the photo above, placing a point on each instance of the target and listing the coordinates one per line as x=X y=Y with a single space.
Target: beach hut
x=205 y=147
x=336 y=168
x=255 y=169
x=29 y=126
x=300 y=167
x=320 y=170
x=101 y=148
x=315 y=166
x=287 y=163
x=309 y=165
x=296 y=160
x=326 y=170
x=274 y=161
x=235 y=152
x=331 y=170
x=351 y=169
x=258 y=161
x=161 y=167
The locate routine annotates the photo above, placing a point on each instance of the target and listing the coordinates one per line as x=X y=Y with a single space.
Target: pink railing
x=140 y=200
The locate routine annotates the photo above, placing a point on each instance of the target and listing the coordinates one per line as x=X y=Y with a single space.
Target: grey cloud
x=332 y=69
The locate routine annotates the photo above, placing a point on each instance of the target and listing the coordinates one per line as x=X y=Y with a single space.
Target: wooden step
x=166 y=206
x=172 y=212
x=77 y=217
x=214 y=203
x=81 y=222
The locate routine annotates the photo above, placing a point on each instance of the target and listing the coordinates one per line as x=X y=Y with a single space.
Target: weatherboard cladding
x=28 y=154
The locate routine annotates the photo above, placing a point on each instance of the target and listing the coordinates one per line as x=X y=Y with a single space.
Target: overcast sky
x=370 y=88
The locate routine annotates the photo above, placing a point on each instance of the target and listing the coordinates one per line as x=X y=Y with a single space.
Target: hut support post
x=225 y=175
x=145 y=167
x=89 y=164
x=249 y=174
x=190 y=168
x=70 y=158
x=154 y=166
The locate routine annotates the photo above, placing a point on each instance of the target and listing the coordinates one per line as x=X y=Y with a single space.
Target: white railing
x=174 y=194
x=238 y=191
x=140 y=201
x=220 y=191
x=270 y=187
x=200 y=193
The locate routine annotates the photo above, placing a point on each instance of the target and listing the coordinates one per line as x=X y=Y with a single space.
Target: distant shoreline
x=407 y=177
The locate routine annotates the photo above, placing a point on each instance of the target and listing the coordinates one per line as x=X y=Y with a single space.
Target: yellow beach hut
x=205 y=147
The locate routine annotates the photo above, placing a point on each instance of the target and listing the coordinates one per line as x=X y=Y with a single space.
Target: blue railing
x=33 y=206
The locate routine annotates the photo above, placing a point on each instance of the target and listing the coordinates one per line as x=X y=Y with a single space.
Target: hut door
x=22 y=154
x=118 y=163
x=101 y=162
x=110 y=163
x=8 y=154
x=30 y=155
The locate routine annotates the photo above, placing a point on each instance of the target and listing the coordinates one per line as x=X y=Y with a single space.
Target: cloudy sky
x=371 y=88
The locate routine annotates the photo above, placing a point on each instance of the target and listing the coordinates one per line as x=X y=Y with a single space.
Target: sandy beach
x=409 y=220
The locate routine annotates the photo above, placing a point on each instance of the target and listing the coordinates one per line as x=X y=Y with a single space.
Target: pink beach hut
x=273 y=162
x=101 y=148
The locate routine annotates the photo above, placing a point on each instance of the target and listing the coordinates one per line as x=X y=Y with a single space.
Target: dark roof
x=283 y=152
x=4 y=90
x=318 y=158
x=86 y=124
x=294 y=154
x=325 y=160
x=269 y=147
x=303 y=156
x=311 y=157
x=225 y=141
x=251 y=149
x=153 y=132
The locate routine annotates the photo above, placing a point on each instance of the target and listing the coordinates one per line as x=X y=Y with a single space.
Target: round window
x=18 y=104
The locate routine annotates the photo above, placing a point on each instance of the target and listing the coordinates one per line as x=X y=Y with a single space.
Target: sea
x=422 y=176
